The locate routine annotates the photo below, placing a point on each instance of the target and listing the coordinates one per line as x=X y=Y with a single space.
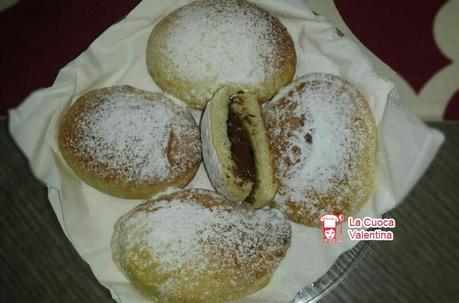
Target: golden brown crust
x=324 y=136
x=230 y=253
x=86 y=144
x=243 y=45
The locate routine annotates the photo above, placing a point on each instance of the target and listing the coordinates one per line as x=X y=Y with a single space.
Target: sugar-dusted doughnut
x=196 y=246
x=206 y=44
x=130 y=143
x=324 y=136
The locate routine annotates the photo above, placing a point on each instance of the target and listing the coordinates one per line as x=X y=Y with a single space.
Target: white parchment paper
x=87 y=216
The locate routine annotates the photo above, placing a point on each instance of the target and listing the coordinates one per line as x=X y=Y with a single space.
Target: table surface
x=420 y=265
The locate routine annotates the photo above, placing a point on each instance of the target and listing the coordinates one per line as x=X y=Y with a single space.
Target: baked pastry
x=324 y=136
x=195 y=246
x=206 y=44
x=236 y=149
x=130 y=143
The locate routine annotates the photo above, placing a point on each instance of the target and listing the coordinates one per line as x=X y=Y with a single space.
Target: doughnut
x=130 y=143
x=236 y=149
x=324 y=136
x=200 y=47
x=196 y=246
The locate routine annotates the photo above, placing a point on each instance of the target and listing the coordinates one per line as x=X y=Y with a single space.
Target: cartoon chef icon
x=329 y=224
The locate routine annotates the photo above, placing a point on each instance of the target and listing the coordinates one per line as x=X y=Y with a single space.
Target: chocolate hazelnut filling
x=241 y=151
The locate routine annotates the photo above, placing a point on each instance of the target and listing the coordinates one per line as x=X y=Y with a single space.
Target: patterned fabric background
x=413 y=43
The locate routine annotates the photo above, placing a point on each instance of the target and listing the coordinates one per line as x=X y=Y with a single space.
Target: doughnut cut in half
x=236 y=148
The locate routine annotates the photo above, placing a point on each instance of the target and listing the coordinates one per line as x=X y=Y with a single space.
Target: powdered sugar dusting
x=327 y=154
x=129 y=133
x=321 y=133
x=225 y=41
x=213 y=165
x=185 y=236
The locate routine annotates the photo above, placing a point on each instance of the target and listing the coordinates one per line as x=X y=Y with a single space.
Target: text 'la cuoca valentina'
x=372 y=235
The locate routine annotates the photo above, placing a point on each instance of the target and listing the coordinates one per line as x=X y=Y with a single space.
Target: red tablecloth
x=40 y=37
